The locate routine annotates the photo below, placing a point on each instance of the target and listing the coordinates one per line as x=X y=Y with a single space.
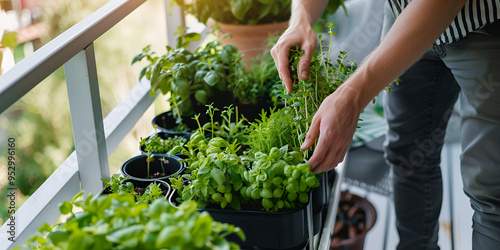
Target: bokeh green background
x=40 y=122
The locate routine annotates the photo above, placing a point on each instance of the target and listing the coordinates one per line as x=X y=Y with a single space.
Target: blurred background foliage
x=40 y=122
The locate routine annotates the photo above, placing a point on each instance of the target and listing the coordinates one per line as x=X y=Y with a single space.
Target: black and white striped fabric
x=475 y=15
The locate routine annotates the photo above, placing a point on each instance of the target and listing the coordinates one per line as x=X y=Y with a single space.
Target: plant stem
x=161 y=162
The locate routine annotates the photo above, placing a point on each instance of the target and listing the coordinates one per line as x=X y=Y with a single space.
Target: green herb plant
x=194 y=79
x=156 y=145
x=117 y=184
x=152 y=192
x=114 y=184
x=278 y=180
x=220 y=176
x=325 y=77
x=116 y=221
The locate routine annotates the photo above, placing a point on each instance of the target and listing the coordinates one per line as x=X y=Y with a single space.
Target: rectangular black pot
x=264 y=230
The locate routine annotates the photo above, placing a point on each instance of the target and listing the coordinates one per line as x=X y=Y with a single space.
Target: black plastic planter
x=166 y=122
x=318 y=203
x=263 y=230
x=136 y=167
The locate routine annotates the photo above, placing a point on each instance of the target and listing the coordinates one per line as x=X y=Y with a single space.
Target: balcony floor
x=456 y=214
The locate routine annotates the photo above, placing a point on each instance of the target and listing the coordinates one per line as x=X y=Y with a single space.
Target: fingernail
x=305 y=74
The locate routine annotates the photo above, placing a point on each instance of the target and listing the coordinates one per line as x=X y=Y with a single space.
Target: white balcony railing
x=94 y=138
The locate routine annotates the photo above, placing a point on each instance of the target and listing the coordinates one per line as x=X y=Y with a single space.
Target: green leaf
x=9 y=40
x=265 y=10
x=235 y=203
x=240 y=8
x=58 y=236
x=212 y=78
x=218 y=176
x=181 y=88
x=153 y=226
x=77 y=196
x=66 y=207
x=168 y=237
x=138 y=57
x=1 y=58
x=164 y=83
x=275 y=10
x=201 y=96
x=142 y=74
x=77 y=240
x=126 y=233
x=44 y=228
x=204 y=169
x=225 y=57
x=191 y=37
x=202 y=229
x=199 y=75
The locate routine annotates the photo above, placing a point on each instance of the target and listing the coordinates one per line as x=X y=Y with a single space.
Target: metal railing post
x=175 y=18
x=86 y=118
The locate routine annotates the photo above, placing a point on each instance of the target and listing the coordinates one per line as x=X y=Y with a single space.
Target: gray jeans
x=418 y=111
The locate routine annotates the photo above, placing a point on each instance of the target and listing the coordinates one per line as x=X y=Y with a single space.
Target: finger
x=305 y=60
x=312 y=134
x=341 y=156
x=321 y=150
x=283 y=69
x=338 y=158
x=327 y=160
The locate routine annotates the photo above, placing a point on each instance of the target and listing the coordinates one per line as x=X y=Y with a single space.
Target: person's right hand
x=303 y=35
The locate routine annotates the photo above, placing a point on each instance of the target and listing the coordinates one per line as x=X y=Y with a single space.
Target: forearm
x=307 y=11
x=413 y=32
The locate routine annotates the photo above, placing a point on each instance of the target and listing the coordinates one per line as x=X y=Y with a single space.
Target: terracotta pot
x=357 y=242
x=250 y=39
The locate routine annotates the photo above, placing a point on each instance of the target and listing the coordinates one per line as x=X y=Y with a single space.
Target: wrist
x=358 y=91
x=300 y=17
x=306 y=11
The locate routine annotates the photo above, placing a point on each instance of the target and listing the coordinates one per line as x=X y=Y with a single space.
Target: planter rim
x=173 y=157
x=166 y=130
x=233 y=211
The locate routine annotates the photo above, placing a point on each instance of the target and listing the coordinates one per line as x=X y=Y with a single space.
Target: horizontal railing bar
x=64 y=183
x=25 y=75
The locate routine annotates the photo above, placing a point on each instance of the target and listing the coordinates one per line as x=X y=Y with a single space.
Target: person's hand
x=335 y=123
x=303 y=35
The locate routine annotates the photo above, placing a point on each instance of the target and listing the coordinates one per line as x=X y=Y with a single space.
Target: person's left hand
x=335 y=123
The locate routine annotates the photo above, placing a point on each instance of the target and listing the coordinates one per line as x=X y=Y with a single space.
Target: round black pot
x=136 y=167
x=166 y=122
